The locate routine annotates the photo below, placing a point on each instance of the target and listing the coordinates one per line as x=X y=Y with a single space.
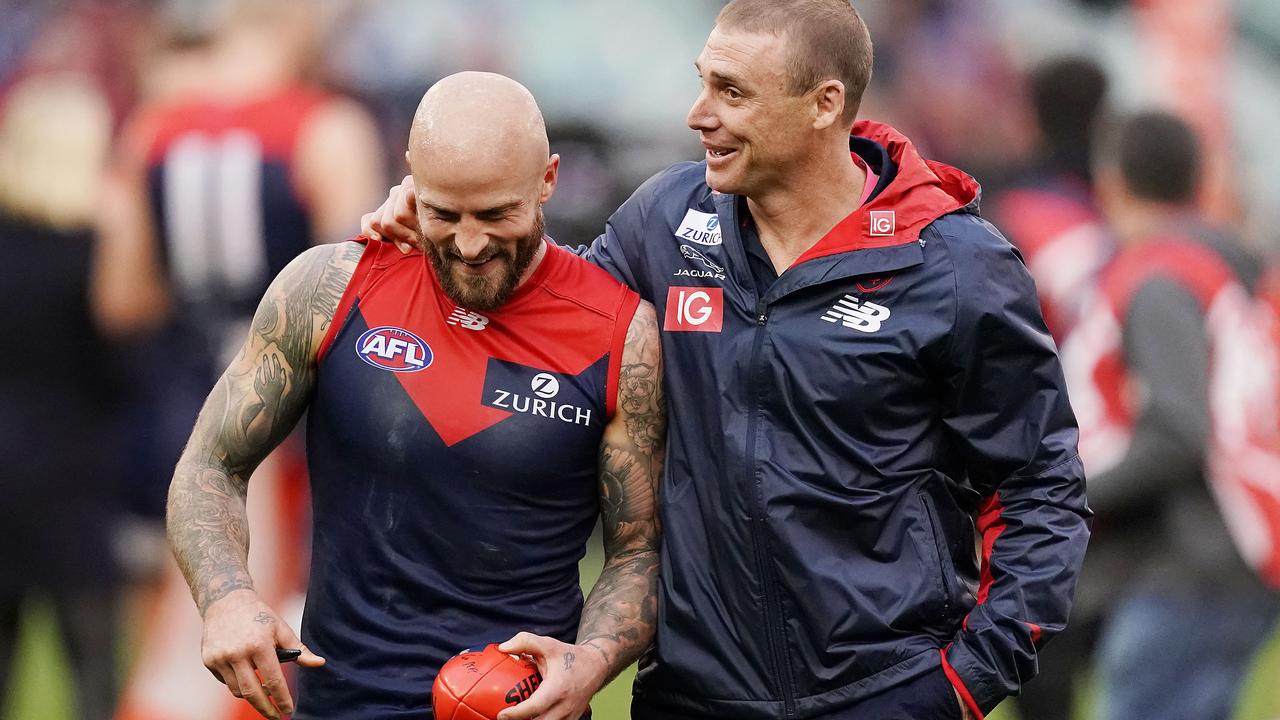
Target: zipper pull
x=762 y=313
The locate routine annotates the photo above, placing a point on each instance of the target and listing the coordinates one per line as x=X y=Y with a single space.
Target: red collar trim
x=920 y=193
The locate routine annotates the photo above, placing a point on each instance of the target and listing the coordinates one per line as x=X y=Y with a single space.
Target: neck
x=250 y=64
x=538 y=256
x=1142 y=220
x=794 y=214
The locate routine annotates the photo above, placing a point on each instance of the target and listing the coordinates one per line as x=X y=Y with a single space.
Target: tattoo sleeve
x=620 y=615
x=252 y=408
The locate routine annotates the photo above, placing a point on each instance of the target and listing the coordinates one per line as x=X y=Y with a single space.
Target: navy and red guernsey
x=453 y=467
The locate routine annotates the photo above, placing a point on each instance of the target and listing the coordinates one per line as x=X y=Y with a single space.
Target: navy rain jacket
x=871 y=466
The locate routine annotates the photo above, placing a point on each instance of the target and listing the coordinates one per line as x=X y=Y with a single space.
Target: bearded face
x=487 y=282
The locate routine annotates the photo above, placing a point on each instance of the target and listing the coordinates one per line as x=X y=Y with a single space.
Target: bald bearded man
x=469 y=415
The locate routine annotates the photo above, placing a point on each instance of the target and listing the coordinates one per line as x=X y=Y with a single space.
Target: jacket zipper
x=772 y=612
x=944 y=555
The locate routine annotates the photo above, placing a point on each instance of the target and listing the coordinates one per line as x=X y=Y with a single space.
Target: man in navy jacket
x=873 y=506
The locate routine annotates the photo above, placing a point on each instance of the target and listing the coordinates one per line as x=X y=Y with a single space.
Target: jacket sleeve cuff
x=981 y=697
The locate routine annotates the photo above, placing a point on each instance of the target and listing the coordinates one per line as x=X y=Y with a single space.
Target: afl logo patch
x=394 y=349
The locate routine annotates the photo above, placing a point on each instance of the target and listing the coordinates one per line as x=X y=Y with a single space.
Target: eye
x=491 y=216
x=442 y=216
x=732 y=93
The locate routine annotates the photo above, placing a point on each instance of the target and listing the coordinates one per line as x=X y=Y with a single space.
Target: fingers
x=309 y=659
x=396 y=219
x=374 y=223
x=286 y=638
x=523 y=643
x=252 y=691
x=551 y=700
x=273 y=682
x=539 y=705
x=385 y=221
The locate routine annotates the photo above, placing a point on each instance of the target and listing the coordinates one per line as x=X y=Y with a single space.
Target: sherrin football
x=478 y=684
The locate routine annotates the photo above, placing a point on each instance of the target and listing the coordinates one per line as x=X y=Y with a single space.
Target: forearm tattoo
x=620 y=614
x=252 y=408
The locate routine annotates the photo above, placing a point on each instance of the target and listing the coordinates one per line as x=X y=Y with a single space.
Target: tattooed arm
x=252 y=408
x=620 y=615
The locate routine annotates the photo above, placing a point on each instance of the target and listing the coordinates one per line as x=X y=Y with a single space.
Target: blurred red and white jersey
x=1063 y=242
x=1243 y=460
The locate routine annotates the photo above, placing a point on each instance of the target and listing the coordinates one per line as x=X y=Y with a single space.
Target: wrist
x=598 y=663
x=226 y=594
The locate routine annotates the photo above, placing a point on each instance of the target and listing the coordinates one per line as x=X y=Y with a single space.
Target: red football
x=478 y=684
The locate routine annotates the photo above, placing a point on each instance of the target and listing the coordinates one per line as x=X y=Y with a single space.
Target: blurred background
x=161 y=160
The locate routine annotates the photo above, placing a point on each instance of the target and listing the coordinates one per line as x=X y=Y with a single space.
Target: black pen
x=287 y=654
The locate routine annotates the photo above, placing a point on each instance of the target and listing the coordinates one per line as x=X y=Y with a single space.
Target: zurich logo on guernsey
x=394 y=349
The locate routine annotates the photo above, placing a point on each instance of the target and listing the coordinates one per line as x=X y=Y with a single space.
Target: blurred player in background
x=472 y=409
x=1052 y=218
x=1192 y=614
x=236 y=166
x=1051 y=215
x=216 y=188
x=859 y=371
x=61 y=464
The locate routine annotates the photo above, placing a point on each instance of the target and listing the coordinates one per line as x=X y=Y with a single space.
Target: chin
x=725 y=183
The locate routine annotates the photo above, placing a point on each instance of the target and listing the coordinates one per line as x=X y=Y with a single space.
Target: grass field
x=41 y=690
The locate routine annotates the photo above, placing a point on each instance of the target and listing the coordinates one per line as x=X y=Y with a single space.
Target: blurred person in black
x=59 y=472
x=1192 y=614
x=1053 y=219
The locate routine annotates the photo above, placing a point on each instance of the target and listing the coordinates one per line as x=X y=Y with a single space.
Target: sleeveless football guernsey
x=453 y=461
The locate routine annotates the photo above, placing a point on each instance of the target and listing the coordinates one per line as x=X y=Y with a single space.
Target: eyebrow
x=498 y=209
x=727 y=79
x=495 y=210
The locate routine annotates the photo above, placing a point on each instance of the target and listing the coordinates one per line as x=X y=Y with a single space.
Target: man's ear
x=550 y=177
x=828 y=104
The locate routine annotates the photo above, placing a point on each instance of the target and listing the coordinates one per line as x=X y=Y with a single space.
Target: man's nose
x=471 y=240
x=700 y=116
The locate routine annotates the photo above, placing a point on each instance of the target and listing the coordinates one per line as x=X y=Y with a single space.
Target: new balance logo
x=467 y=319
x=861 y=316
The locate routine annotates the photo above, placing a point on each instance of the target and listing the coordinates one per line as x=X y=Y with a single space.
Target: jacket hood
x=920 y=192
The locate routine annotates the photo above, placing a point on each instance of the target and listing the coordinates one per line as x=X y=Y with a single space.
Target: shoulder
x=989 y=281
x=329 y=258
x=968 y=239
x=675 y=184
x=151 y=128
x=587 y=285
x=974 y=252
x=320 y=270
x=332 y=119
